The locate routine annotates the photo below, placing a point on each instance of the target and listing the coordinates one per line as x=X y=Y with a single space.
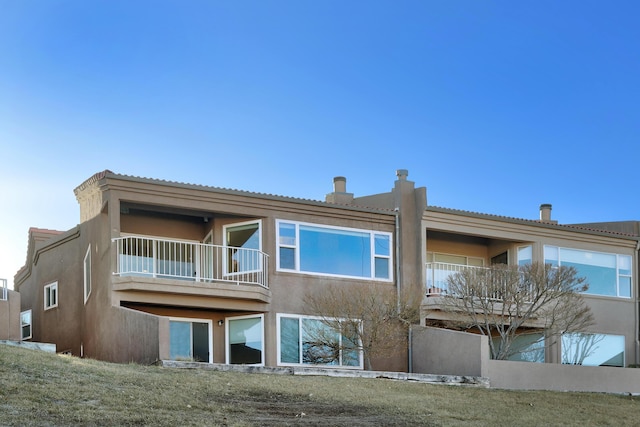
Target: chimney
x=545 y=214
x=402 y=174
x=339 y=184
x=339 y=195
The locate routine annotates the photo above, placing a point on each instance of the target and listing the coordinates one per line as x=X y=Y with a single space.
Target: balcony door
x=244 y=243
x=190 y=340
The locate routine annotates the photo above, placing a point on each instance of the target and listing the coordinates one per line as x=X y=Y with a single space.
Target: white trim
x=225 y=244
x=617 y=262
x=296 y=248
x=300 y=317
x=50 y=290
x=191 y=320
x=86 y=265
x=30 y=325
x=226 y=336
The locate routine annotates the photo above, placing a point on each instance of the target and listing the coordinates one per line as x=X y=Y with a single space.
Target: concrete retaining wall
x=332 y=372
x=442 y=351
x=552 y=376
x=446 y=352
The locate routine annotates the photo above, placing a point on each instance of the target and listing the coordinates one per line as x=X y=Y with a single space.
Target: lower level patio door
x=190 y=339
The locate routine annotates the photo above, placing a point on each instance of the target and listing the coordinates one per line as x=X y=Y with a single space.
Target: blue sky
x=494 y=106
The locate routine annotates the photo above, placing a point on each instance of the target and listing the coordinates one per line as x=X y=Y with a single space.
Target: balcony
x=146 y=257
x=492 y=288
x=437 y=275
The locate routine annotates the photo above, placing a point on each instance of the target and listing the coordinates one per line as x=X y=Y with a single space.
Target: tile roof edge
x=110 y=174
x=531 y=221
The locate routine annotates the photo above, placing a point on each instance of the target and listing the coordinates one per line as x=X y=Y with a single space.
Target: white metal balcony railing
x=3 y=289
x=160 y=258
x=439 y=272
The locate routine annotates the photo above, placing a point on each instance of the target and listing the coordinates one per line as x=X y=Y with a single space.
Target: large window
x=308 y=341
x=245 y=340
x=25 y=324
x=607 y=274
x=334 y=251
x=593 y=349
x=87 y=274
x=525 y=348
x=51 y=295
x=190 y=340
x=245 y=243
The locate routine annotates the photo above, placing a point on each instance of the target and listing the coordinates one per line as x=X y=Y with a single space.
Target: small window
x=525 y=255
x=3 y=289
x=25 y=324
x=87 y=274
x=51 y=295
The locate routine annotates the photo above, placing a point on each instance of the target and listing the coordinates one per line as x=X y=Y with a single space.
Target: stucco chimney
x=339 y=184
x=339 y=194
x=545 y=214
x=402 y=174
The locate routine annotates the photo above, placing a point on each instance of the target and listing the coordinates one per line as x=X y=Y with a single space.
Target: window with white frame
x=525 y=255
x=25 y=324
x=334 y=251
x=455 y=259
x=245 y=339
x=307 y=340
x=87 y=274
x=245 y=243
x=51 y=295
x=607 y=274
x=190 y=339
x=593 y=349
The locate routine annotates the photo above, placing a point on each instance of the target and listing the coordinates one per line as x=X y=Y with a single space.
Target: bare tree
x=504 y=302
x=358 y=318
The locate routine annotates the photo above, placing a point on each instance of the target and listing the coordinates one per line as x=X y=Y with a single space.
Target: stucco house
x=165 y=270
x=9 y=313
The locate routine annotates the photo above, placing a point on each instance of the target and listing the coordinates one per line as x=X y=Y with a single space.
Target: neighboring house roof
x=587 y=228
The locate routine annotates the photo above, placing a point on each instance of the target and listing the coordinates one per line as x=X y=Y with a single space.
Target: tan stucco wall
x=10 y=317
x=551 y=376
x=446 y=352
x=57 y=260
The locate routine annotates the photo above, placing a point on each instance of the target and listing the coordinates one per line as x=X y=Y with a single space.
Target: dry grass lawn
x=41 y=389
